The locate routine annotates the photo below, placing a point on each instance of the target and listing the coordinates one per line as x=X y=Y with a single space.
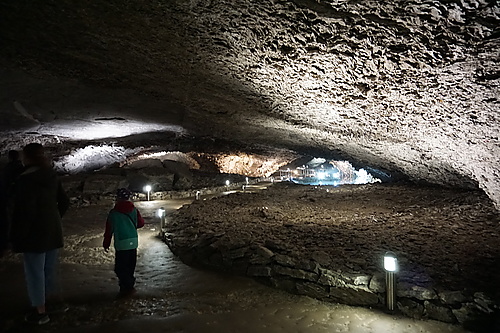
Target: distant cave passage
x=319 y=171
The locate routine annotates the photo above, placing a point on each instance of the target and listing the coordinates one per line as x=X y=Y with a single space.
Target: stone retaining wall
x=312 y=277
x=109 y=192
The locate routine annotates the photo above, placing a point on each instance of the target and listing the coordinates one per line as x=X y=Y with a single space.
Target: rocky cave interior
x=216 y=89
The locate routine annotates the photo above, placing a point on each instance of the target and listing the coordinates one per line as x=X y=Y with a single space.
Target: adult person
x=13 y=168
x=39 y=202
x=11 y=171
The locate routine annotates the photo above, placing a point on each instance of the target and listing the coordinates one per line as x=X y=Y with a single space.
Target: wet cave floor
x=443 y=237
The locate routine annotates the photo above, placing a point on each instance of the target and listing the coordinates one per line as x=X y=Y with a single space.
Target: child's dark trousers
x=125 y=261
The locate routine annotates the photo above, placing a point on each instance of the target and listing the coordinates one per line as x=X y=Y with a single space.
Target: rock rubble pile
x=328 y=243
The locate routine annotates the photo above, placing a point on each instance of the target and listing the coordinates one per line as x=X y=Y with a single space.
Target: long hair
x=34 y=153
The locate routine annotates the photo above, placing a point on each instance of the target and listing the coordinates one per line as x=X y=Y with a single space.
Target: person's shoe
x=54 y=308
x=127 y=293
x=37 y=318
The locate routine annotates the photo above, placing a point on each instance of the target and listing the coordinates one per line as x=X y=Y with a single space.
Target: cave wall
x=410 y=86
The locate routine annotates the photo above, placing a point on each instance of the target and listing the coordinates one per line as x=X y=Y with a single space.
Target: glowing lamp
x=390 y=266
x=161 y=215
x=161 y=212
x=390 y=262
x=147 y=189
x=228 y=182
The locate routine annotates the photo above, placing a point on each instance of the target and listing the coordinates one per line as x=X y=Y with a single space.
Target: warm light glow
x=390 y=262
x=175 y=156
x=252 y=165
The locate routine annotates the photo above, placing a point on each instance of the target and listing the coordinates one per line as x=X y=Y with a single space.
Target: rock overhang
x=403 y=86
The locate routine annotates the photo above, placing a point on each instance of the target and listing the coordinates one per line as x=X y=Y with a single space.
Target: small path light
x=228 y=182
x=147 y=189
x=391 y=267
x=246 y=180
x=161 y=215
x=197 y=195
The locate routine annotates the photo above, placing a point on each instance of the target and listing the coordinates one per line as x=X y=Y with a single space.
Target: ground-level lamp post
x=161 y=215
x=197 y=195
x=147 y=188
x=391 y=267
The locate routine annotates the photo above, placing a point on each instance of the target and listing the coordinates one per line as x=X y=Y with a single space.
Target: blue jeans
x=40 y=270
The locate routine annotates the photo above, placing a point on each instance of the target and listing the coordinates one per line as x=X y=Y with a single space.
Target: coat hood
x=124 y=206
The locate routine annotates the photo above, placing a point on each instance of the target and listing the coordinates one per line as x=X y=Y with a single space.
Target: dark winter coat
x=12 y=170
x=39 y=202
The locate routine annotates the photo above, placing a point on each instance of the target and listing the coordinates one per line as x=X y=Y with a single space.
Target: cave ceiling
x=408 y=86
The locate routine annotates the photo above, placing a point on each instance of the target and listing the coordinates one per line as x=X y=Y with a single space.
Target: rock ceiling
x=409 y=86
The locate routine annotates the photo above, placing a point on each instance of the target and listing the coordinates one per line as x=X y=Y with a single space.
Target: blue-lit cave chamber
x=320 y=171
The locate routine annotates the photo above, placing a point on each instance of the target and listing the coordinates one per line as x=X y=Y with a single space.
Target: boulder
x=259 y=271
x=145 y=163
x=295 y=273
x=103 y=184
x=159 y=178
x=377 y=283
x=439 y=312
x=353 y=297
x=452 y=297
x=312 y=290
x=421 y=293
x=411 y=308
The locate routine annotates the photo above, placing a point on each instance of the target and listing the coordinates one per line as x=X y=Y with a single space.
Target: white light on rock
x=390 y=262
x=100 y=129
x=161 y=212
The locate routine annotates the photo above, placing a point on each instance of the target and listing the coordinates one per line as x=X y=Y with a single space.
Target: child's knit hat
x=123 y=194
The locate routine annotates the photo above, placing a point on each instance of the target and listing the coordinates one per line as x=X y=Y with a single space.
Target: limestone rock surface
x=409 y=86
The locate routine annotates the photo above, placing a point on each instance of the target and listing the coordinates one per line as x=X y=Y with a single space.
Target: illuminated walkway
x=173 y=297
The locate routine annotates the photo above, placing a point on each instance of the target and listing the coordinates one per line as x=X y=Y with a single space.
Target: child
x=122 y=223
